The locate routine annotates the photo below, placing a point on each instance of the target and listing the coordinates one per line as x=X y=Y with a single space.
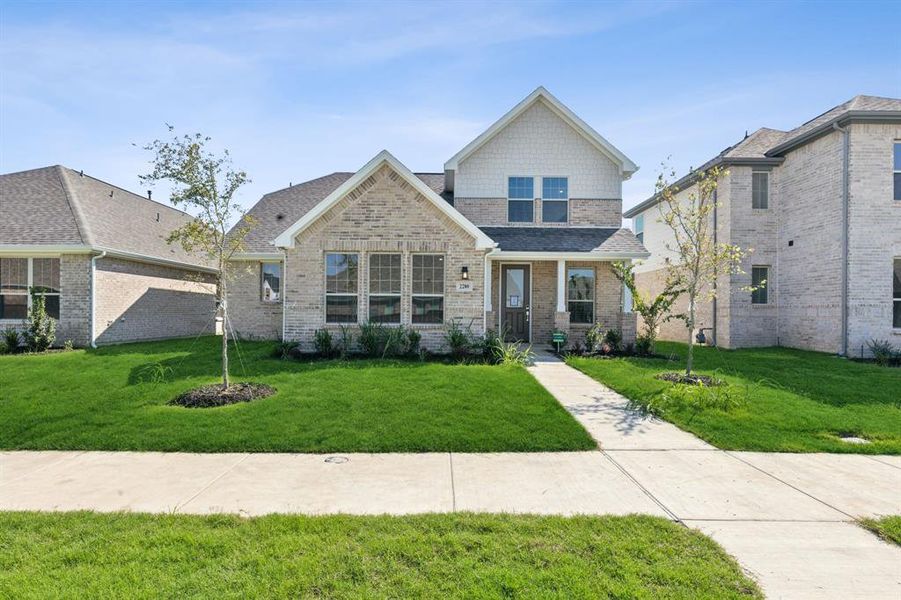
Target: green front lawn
x=796 y=401
x=82 y=555
x=115 y=398
x=888 y=528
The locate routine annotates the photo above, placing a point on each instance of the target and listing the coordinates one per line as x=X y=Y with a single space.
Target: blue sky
x=298 y=90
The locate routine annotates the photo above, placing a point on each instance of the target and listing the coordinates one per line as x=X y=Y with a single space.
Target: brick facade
x=251 y=317
x=140 y=301
x=585 y=212
x=383 y=214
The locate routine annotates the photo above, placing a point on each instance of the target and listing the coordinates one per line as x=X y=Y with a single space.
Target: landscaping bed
x=117 y=398
x=430 y=556
x=774 y=399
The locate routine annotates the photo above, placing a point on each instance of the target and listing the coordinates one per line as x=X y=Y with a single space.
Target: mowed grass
x=797 y=401
x=888 y=528
x=88 y=555
x=115 y=398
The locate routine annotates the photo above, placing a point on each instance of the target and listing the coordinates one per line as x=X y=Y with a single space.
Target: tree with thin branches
x=204 y=184
x=654 y=310
x=696 y=259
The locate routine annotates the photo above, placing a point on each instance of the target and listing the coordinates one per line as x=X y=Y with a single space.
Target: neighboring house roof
x=600 y=240
x=542 y=95
x=277 y=210
x=287 y=237
x=766 y=146
x=56 y=206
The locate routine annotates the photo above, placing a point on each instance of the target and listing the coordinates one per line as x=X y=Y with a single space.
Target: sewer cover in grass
x=852 y=439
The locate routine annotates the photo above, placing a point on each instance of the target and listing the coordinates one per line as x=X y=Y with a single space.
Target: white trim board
x=288 y=237
x=627 y=167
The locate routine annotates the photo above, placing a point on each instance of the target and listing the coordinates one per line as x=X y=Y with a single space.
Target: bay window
x=428 y=288
x=384 y=288
x=341 y=287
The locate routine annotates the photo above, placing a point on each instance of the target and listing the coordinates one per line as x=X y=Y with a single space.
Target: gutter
x=94 y=295
x=845 y=224
x=869 y=116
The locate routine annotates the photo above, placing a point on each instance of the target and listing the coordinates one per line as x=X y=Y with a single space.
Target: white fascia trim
x=596 y=139
x=600 y=256
x=261 y=256
x=287 y=238
x=154 y=260
x=45 y=249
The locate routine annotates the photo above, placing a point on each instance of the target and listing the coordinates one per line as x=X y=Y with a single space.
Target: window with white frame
x=428 y=288
x=760 y=189
x=580 y=294
x=896 y=166
x=384 y=288
x=18 y=275
x=896 y=295
x=520 y=199
x=270 y=282
x=760 y=277
x=341 y=291
x=554 y=199
x=638 y=227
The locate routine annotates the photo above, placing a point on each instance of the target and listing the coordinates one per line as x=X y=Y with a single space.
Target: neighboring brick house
x=516 y=235
x=821 y=208
x=99 y=255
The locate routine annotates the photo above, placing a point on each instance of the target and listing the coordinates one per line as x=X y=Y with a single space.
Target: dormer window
x=554 y=199
x=520 y=199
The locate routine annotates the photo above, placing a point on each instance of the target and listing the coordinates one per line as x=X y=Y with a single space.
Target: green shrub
x=40 y=329
x=345 y=346
x=884 y=353
x=11 y=339
x=511 y=354
x=323 y=343
x=283 y=350
x=644 y=345
x=614 y=339
x=459 y=340
x=370 y=338
x=68 y=345
x=594 y=337
x=412 y=343
x=696 y=398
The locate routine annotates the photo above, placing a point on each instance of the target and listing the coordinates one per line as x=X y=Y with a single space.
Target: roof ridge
x=81 y=222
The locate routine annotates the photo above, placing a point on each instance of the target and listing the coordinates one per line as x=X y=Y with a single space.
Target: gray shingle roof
x=276 y=211
x=565 y=239
x=56 y=206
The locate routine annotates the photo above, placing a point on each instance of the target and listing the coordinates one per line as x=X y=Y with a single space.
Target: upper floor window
x=580 y=294
x=897 y=170
x=384 y=288
x=760 y=281
x=520 y=199
x=270 y=282
x=760 y=189
x=18 y=275
x=638 y=227
x=554 y=199
x=341 y=287
x=896 y=295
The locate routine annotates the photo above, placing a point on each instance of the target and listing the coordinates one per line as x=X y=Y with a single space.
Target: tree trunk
x=223 y=302
x=691 y=331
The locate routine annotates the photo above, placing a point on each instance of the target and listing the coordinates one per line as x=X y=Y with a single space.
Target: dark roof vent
x=111 y=193
x=81 y=173
x=149 y=194
x=157 y=217
x=279 y=217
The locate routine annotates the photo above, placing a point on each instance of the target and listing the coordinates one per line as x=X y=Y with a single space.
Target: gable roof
x=287 y=237
x=767 y=146
x=57 y=206
x=542 y=95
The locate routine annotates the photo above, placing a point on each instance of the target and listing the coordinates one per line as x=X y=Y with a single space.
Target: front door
x=515 y=303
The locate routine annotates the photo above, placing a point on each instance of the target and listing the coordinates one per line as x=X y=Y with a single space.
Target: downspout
x=284 y=291
x=715 y=241
x=94 y=295
x=845 y=219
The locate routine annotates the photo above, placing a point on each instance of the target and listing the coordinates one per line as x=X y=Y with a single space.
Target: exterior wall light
x=465 y=273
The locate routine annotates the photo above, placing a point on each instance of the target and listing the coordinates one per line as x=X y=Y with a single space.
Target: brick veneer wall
x=140 y=301
x=250 y=316
x=383 y=214
x=594 y=212
x=874 y=235
x=74 y=299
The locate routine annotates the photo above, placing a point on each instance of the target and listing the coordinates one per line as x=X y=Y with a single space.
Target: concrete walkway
x=788 y=518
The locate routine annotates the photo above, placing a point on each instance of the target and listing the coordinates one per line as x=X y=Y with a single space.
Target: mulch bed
x=689 y=379
x=210 y=396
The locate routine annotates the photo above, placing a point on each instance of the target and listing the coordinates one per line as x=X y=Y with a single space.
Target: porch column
x=561 y=316
x=489 y=322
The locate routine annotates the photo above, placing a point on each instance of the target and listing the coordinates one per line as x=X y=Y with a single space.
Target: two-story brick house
x=517 y=235
x=820 y=206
